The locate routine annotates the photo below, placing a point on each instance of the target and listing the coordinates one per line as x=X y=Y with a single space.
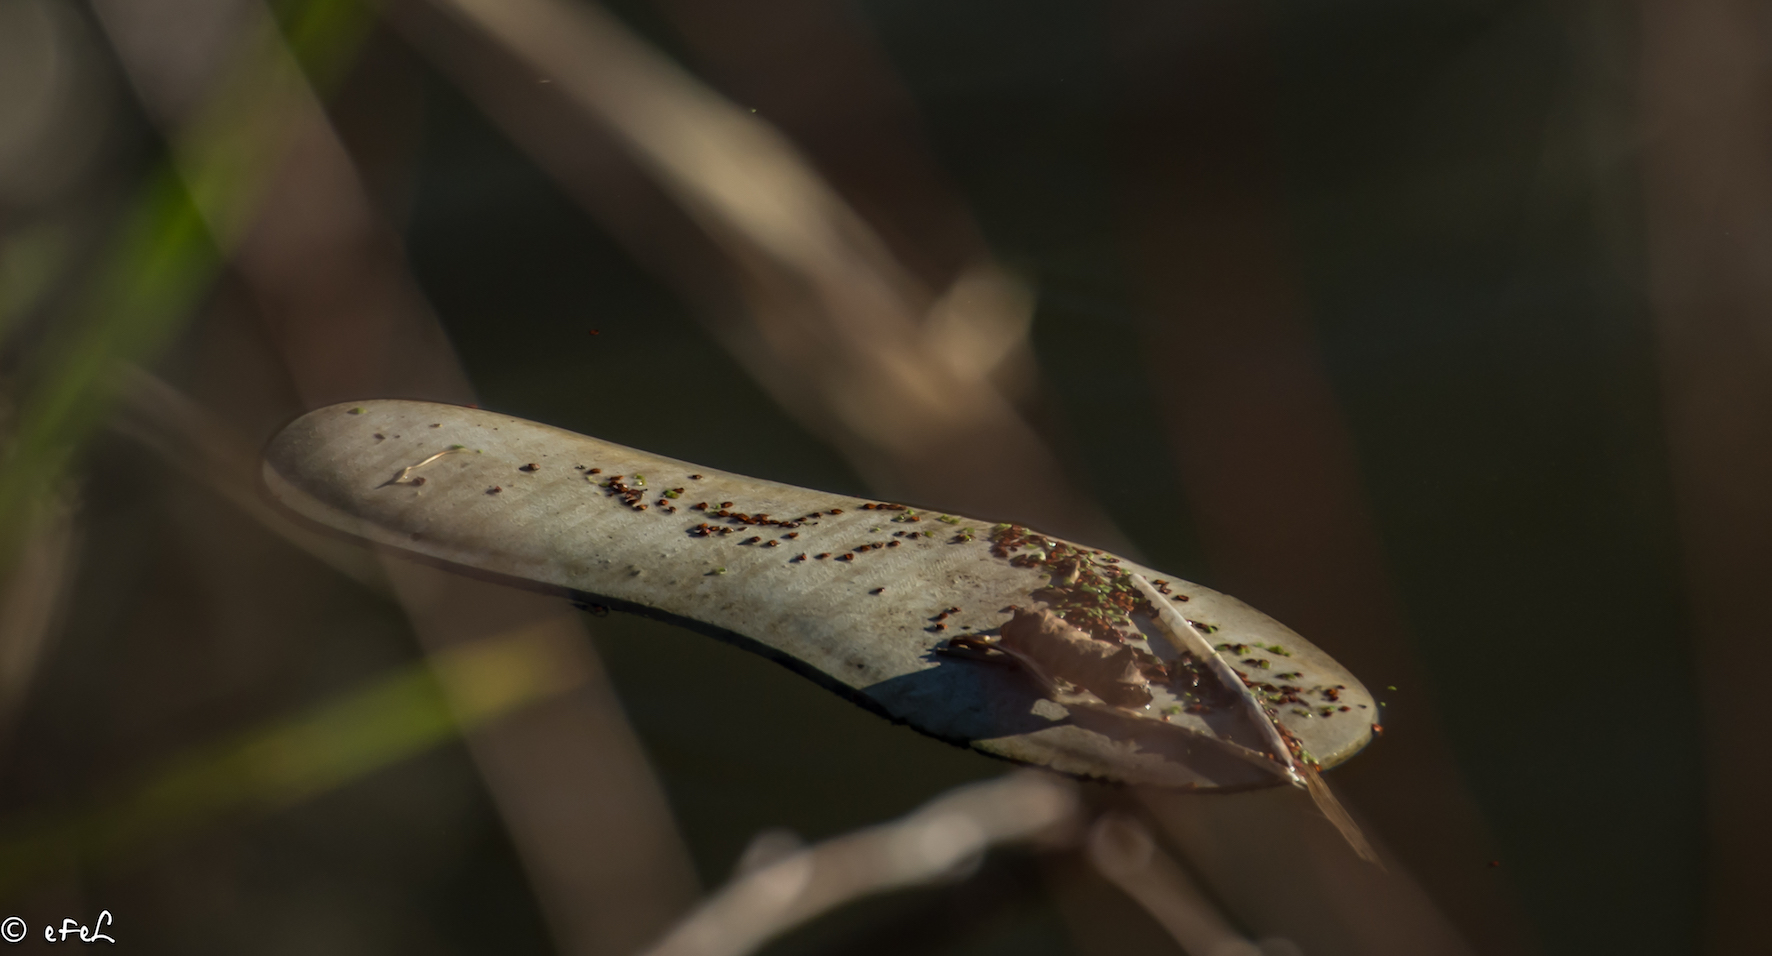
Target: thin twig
x=932 y=843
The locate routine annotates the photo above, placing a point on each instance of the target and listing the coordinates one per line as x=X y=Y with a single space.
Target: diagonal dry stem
x=570 y=781
x=795 y=283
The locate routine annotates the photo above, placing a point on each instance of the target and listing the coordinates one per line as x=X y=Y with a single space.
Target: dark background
x=1361 y=290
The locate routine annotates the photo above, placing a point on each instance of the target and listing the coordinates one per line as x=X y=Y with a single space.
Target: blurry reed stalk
x=188 y=438
x=1706 y=87
x=931 y=844
x=897 y=378
x=132 y=299
x=55 y=107
x=588 y=820
x=1123 y=851
x=33 y=598
x=1270 y=862
x=1270 y=469
x=161 y=258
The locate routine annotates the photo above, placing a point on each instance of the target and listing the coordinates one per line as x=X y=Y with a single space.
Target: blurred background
x=1440 y=332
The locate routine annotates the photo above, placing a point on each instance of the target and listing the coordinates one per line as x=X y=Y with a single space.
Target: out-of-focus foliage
x=273 y=768
x=1432 y=330
x=150 y=276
